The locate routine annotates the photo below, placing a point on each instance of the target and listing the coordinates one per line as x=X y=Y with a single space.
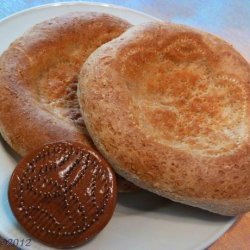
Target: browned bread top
x=39 y=74
x=169 y=107
x=38 y=80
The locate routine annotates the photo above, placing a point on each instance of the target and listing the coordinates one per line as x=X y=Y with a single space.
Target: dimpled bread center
x=57 y=85
x=181 y=103
x=57 y=89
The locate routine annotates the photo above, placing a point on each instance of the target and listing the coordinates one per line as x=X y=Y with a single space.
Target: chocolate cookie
x=63 y=194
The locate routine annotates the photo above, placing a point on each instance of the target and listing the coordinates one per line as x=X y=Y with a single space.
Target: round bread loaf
x=38 y=79
x=169 y=108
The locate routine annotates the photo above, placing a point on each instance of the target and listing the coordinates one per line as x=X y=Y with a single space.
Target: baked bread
x=38 y=79
x=168 y=106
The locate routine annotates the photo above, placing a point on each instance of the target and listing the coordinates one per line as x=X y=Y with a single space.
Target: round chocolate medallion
x=63 y=194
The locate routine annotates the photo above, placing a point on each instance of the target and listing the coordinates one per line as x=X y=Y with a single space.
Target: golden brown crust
x=38 y=79
x=169 y=108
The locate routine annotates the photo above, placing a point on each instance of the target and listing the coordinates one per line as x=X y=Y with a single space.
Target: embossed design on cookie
x=62 y=192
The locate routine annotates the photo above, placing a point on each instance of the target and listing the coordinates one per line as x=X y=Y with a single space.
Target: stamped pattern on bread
x=169 y=106
x=184 y=104
x=185 y=46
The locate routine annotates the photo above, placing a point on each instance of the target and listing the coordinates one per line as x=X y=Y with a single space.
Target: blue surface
x=229 y=19
x=9 y=7
x=197 y=11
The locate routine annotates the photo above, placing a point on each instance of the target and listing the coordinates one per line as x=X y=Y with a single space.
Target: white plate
x=142 y=221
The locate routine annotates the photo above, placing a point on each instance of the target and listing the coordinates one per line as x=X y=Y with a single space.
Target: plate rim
x=72 y=3
x=231 y=221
